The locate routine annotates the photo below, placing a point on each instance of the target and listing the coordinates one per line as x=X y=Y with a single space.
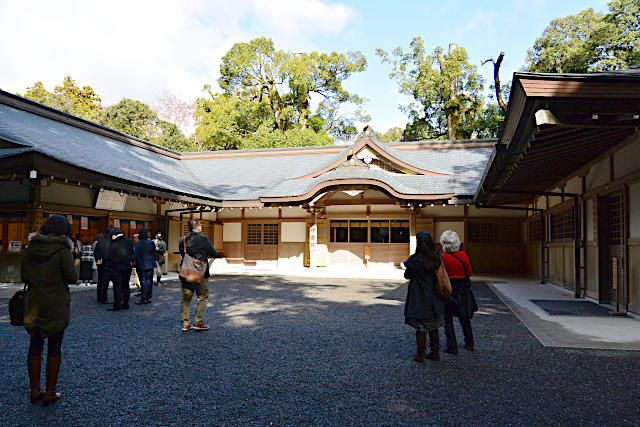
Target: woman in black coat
x=424 y=309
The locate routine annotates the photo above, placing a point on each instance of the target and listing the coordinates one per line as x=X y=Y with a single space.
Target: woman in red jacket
x=462 y=303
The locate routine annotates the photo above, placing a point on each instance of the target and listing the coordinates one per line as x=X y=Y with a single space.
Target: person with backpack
x=462 y=303
x=47 y=270
x=144 y=254
x=195 y=249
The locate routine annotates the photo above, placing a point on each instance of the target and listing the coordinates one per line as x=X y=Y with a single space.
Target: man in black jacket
x=100 y=253
x=200 y=248
x=118 y=263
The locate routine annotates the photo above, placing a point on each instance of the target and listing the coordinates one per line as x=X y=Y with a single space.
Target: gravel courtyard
x=309 y=351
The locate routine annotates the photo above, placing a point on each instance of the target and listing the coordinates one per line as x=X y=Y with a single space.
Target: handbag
x=192 y=269
x=17 y=307
x=443 y=285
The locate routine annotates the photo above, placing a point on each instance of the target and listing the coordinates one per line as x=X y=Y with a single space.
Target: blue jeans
x=146 y=284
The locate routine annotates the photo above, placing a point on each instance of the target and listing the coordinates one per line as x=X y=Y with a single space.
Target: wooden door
x=612 y=249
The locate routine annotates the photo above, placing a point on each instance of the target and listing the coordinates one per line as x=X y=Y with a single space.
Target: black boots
x=434 y=343
x=33 y=366
x=53 y=368
x=421 y=343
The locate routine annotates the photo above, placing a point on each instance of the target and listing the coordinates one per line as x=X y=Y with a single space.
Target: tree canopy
x=268 y=95
x=128 y=116
x=589 y=41
x=68 y=97
x=446 y=90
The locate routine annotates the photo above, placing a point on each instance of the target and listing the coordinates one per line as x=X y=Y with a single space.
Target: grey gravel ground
x=310 y=351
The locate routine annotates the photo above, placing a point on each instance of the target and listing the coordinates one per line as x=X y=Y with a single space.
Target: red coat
x=454 y=268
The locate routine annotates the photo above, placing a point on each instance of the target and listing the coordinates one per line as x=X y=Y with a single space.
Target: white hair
x=450 y=241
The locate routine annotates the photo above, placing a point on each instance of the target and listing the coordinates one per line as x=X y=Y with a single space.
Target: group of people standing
x=426 y=310
x=116 y=255
x=49 y=265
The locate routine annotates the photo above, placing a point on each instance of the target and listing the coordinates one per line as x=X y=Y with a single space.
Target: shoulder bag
x=192 y=269
x=443 y=285
x=17 y=306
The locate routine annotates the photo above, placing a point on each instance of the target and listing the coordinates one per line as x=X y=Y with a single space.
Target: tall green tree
x=589 y=41
x=287 y=81
x=68 y=97
x=446 y=90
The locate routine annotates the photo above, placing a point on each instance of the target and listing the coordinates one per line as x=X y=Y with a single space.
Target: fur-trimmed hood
x=43 y=246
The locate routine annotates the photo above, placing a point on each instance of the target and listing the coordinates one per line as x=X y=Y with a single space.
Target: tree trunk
x=276 y=106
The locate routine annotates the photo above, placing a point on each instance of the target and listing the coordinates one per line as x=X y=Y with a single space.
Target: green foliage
x=257 y=72
x=68 y=97
x=446 y=88
x=589 y=41
x=392 y=135
x=295 y=137
x=127 y=116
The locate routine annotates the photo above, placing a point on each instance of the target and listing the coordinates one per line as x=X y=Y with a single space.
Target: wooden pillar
x=313 y=240
x=412 y=230
x=33 y=219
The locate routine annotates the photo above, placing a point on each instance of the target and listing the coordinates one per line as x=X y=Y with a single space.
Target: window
x=380 y=231
x=339 y=231
x=399 y=231
x=535 y=229
x=482 y=231
x=254 y=232
x=358 y=231
x=562 y=224
x=270 y=234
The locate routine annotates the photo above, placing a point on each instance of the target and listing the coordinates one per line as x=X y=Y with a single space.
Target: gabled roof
x=368 y=139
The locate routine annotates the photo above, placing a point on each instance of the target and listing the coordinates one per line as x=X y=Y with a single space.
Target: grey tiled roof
x=97 y=153
x=8 y=152
x=232 y=178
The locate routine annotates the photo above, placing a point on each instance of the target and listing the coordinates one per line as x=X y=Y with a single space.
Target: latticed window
x=380 y=231
x=482 y=231
x=254 y=234
x=535 y=229
x=562 y=224
x=378 y=164
x=340 y=231
x=270 y=234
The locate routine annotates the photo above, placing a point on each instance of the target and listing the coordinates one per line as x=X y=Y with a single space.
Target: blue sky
x=140 y=49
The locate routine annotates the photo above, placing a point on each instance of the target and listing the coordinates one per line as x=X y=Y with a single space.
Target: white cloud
x=137 y=49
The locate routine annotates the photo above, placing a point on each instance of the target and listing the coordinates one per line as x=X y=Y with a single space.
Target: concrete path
x=604 y=333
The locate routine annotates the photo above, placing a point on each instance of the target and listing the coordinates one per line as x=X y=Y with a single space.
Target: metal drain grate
x=571 y=308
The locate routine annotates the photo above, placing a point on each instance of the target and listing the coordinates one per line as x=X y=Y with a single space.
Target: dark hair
x=159 y=235
x=193 y=224
x=116 y=231
x=110 y=230
x=78 y=236
x=426 y=251
x=143 y=234
x=56 y=225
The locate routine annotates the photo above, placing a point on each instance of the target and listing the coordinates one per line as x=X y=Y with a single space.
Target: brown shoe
x=52 y=370
x=34 y=366
x=200 y=327
x=421 y=344
x=186 y=327
x=434 y=344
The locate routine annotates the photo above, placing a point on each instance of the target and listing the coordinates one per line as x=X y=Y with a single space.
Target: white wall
x=634 y=211
x=228 y=213
x=140 y=205
x=598 y=175
x=261 y=213
x=626 y=161
x=232 y=232
x=441 y=227
x=295 y=212
x=294 y=232
x=68 y=195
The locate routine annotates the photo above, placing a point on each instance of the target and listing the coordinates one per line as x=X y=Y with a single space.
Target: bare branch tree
x=176 y=111
x=496 y=78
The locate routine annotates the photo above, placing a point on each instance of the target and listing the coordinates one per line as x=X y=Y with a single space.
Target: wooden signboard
x=614 y=263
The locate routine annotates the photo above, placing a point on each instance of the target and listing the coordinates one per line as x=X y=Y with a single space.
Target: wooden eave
x=537 y=158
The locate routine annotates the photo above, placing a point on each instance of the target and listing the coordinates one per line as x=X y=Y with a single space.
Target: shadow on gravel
x=308 y=351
